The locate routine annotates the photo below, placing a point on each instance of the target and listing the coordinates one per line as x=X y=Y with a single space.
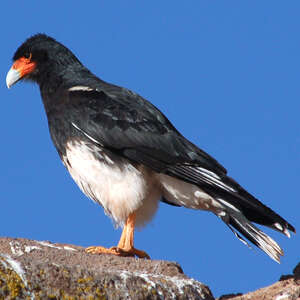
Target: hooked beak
x=12 y=77
x=21 y=67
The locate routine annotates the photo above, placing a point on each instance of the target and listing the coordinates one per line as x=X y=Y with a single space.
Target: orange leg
x=125 y=245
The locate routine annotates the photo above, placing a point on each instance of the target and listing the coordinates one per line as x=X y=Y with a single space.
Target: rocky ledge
x=287 y=288
x=43 y=270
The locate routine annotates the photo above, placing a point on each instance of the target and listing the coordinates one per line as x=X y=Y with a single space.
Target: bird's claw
x=117 y=251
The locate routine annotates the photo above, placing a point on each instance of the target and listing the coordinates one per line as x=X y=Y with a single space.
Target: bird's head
x=37 y=58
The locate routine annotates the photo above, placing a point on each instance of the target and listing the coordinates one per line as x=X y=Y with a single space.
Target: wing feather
x=132 y=127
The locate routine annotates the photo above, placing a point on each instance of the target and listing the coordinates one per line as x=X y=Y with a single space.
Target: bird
x=126 y=155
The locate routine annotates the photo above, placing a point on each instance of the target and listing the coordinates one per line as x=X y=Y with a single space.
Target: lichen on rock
x=42 y=270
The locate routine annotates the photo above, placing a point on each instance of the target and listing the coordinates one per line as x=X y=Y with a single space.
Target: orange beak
x=21 y=67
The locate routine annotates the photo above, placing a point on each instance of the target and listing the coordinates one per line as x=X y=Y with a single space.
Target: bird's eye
x=28 y=55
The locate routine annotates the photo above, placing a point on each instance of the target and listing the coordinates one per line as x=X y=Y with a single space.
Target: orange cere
x=24 y=66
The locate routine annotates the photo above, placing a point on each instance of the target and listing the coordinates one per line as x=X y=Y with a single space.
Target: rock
x=296 y=271
x=287 y=288
x=42 y=270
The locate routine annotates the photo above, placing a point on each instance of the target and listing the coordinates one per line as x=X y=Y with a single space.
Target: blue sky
x=226 y=73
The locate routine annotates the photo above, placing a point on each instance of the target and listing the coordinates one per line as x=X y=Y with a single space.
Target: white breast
x=118 y=186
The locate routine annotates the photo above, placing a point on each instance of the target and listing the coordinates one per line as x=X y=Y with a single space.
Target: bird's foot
x=101 y=250
x=131 y=252
x=117 y=251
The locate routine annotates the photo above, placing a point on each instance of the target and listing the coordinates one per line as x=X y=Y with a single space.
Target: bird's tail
x=234 y=219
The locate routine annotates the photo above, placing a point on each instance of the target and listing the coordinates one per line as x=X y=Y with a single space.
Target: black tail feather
x=234 y=219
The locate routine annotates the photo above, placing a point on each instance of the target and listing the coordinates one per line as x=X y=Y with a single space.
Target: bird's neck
x=56 y=82
x=55 y=77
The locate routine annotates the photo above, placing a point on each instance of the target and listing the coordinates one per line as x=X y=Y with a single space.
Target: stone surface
x=287 y=288
x=42 y=270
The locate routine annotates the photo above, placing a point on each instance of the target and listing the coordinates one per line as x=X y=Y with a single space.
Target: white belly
x=122 y=188
x=119 y=186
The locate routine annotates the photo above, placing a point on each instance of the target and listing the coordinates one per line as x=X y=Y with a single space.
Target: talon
x=141 y=253
x=133 y=252
x=100 y=250
x=117 y=251
x=125 y=247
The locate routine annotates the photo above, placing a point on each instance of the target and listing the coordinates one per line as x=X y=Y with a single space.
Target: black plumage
x=120 y=127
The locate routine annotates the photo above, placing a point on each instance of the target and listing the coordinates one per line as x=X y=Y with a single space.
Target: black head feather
x=51 y=57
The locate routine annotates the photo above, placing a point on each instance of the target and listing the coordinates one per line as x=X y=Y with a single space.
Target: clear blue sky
x=226 y=73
